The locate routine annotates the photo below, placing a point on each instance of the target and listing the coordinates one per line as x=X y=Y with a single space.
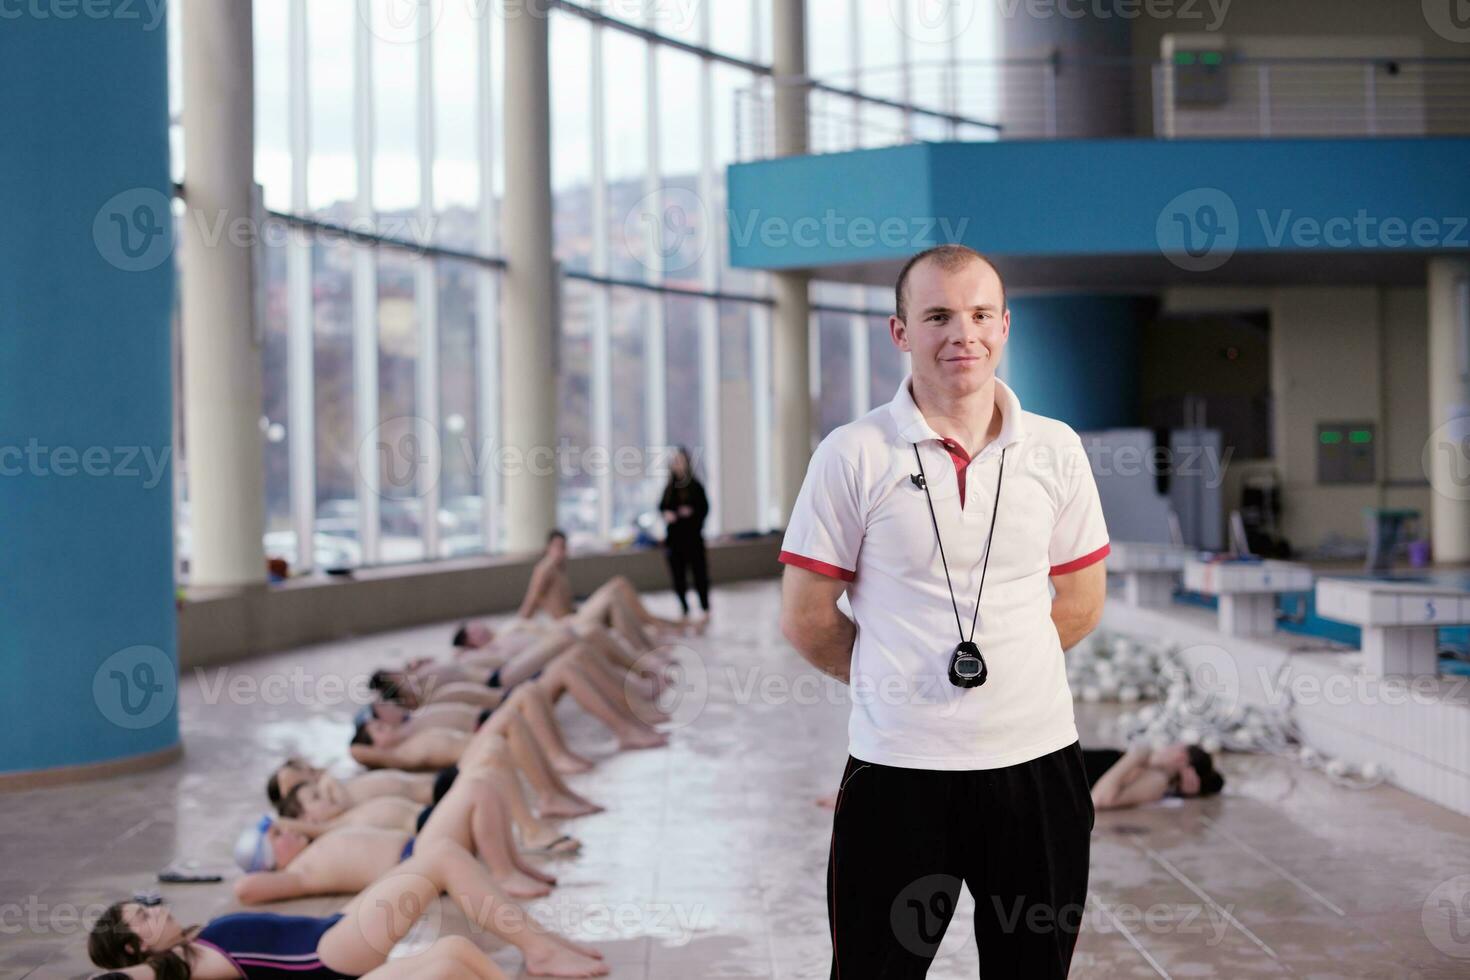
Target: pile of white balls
x=1127 y=669
x=1113 y=667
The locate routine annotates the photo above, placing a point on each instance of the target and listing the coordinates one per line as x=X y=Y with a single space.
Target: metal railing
x=1059 y=98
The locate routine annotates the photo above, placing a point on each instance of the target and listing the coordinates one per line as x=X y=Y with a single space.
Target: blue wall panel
x=87 y=621
x=1075 y=358
x=1095 y=197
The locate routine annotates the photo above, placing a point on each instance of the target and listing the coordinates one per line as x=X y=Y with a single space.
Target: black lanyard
x=924 y=482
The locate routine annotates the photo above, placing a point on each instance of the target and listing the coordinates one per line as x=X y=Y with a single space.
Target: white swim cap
x=252 y=847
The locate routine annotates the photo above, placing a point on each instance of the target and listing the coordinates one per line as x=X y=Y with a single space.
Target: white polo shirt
x=859 y=517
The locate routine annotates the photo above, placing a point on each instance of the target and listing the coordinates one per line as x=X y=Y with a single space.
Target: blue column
x=87 y=622
x=1075 y=358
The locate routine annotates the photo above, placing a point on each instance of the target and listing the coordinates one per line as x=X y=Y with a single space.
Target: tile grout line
x=1184 y=879
x=1283 y=872
x=1128 y=935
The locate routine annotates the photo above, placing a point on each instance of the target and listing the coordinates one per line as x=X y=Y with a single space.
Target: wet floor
x=710 y=861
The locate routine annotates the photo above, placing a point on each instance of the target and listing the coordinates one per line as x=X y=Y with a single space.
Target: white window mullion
x=654 y=380
x=859 y=359
x=365 y=294
x=709 y=310
x=601 y=366
x=487 y=300
x=760 y=384
x=426 y=300
x=300 y=348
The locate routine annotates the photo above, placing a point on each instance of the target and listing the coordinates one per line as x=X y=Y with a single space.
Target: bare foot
x=551 y=841
x=568 y=806
x=571 y=763
x=531 y=871
x=517 y=885
x=577 y=947
x=642 y=739
x=552 y=960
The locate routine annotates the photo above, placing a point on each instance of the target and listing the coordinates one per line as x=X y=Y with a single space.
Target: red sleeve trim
x=1082 y=562
x=812 y=565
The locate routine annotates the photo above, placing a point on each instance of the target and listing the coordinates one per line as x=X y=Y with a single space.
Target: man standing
x=944 y=515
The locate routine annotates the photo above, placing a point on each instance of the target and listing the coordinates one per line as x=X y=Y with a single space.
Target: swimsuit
x=265 y=946
x=1095 y=762
x=444 y=780
x=495 y=681
x=423 y=817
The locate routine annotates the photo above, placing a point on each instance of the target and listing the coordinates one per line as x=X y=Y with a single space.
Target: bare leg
x=450 y=958
x=384 y=912
x=531 y=701
x=536 y=834
x=521 y=666
x=566 y=674
x=606 y=607
x=624 y=689
x=557 y=799
x=629 y=596
x=465 y=692
x=645 y=670
x=477 y=818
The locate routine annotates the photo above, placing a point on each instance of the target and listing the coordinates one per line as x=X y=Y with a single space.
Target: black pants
x=903 y=840
x=686 y=554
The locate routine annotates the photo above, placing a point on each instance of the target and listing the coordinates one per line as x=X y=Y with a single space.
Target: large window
x=378 y=146
x=657 y=345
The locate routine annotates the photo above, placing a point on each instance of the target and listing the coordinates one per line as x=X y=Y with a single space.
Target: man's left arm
x=1078 y=604
x=1079 y=543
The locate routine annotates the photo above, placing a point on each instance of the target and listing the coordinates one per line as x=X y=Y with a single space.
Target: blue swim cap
x=252 y=847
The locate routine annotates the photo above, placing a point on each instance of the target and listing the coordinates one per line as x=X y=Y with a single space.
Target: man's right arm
x=811 y=621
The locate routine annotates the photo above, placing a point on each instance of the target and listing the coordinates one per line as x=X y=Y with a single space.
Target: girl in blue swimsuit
x=262 y=946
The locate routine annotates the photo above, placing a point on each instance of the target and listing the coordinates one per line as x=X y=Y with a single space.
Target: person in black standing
x=685 y=506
